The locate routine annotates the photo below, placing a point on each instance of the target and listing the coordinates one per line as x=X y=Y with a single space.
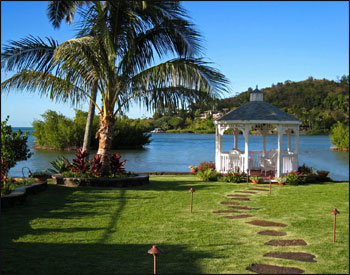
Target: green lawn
x=102 y=230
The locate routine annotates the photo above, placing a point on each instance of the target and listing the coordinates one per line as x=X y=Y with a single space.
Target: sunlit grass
x=103 y=230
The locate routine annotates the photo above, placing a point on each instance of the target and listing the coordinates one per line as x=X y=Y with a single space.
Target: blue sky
x=252 y=43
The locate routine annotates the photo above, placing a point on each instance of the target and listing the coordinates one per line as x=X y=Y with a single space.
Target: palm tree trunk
x=105 y=134
x=89 y=121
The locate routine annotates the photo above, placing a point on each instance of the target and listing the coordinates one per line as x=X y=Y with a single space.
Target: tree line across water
x=321 y=105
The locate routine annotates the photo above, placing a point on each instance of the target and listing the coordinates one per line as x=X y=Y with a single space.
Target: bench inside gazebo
x=260 y=116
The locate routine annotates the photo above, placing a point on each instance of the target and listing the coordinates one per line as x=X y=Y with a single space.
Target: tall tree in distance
x=115 y=50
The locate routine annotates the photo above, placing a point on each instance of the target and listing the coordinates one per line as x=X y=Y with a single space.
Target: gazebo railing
x=255 y=159
x=231 y=163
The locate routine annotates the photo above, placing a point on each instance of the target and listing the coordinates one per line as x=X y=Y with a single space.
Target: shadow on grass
x=46 y=255
x=52 y=258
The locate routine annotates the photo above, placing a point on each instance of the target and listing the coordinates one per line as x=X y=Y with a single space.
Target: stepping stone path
x=266 y=268
x=266 y=223
x=286 y=242
x=240 y=196
x=240 y=199
x=238 y=216
x=258 y=189
x=272 y=233
x=229 y=202
x=274 y=269
x=297 y=256
x=242 y=207
x=226 y=211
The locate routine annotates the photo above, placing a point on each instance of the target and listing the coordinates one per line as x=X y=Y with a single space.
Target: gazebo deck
x=262 y=174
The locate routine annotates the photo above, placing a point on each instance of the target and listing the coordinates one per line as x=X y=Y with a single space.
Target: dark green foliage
x=13 y=145
x=4 y=170
x=58 y=131
x=340 y=135
x=236 y=177
x=61 y=164
x=208 y=175
x=203 y=166
x=304 y=169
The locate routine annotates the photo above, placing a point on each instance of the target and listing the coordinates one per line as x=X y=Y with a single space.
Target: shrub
x=117 y=167
x=236 y=177
x=305 y=169
x=13 y=145
x=80 y=164
x=294 y=178
x=258 y=179
x=203 y=166
x=4 y=170
x=340 y=135
x=207 y=175
x=7 y=186
x=61 y=165
x=96 y=165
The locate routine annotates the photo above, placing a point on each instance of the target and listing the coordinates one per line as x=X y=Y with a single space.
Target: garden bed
x=19 y=195
x=138 y=180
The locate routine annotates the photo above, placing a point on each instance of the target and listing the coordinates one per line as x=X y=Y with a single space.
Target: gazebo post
x=218 y=145
x=289 y=140
x=235 y=134
x=296 y=131
x=279 y=150
x=246 y=130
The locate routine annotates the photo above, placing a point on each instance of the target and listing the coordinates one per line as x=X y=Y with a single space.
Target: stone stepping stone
x=240 y=196
x=243 y=207
x=272 y=233
x=286 y=243
x=297 y=256
x=240 y=199
x=226 y=211
x=273 y=269
x=238 y=216
x=259 y=189
x=247 y=192
x=266 y=223
x=229 y=202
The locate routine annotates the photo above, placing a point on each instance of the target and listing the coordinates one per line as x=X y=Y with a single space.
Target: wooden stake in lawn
x=247 y=176
x=191 y=190
x=270 y=184
x=155 y=250
x=335 y=212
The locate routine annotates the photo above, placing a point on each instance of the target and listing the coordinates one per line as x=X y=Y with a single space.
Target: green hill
x=318 y=103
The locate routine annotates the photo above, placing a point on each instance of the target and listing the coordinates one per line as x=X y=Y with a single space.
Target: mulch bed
x=241 y=196
x=266 y=223
x=248 y=192
x=238 y=216
x=240 y=199
x=243 y=207
x=273 y=269
x=286 y=242
x=298 y=256
x=272 y=233
x=258 y=189
x=226 y=211
x=229 y=202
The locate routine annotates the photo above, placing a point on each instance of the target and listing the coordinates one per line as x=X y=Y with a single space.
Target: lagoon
x=175 y=152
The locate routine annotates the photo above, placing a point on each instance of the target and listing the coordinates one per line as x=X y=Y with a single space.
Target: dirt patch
x=226 y=211
x=240 y=199
x=297 y=256
x=248 y=192
x=259 y=189
x=240 y=196
x=229 y=202
x=286 y=242
x=266 y=223
x=272 y=233
x=273 y=269
x=238 y=216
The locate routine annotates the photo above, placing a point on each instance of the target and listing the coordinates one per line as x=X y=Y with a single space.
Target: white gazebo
x=257 y=115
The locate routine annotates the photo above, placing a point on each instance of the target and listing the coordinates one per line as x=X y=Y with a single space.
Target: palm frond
x=28 y=53
x=45 y=84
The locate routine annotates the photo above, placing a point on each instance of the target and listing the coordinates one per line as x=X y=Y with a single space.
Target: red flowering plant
x=117 y=166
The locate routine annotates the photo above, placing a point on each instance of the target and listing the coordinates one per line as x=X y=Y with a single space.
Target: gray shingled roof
x=257 y=110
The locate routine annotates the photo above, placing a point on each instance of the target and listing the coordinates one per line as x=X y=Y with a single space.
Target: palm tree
x=115 y=50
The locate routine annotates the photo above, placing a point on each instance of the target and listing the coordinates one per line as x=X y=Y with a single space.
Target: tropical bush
x=13 y=145
x=295 y=178
x=81 y=167
x=208 y=174
x=203 y=166
x=340 y=135
x=58 y=131
x=236 y=177
x=60 y=165
x=258 y=179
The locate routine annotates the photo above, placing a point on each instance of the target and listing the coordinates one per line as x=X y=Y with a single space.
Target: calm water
x=175 y=152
